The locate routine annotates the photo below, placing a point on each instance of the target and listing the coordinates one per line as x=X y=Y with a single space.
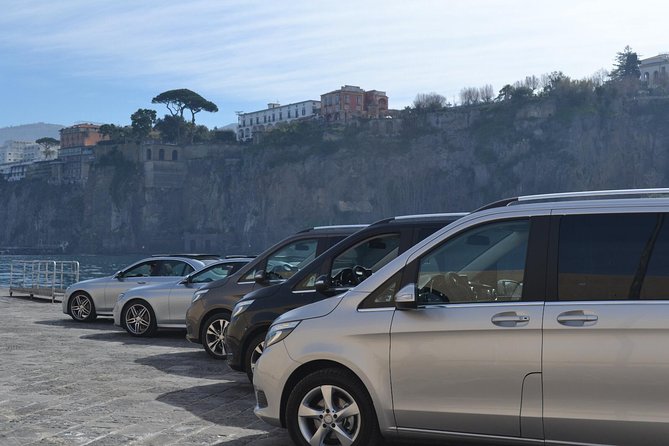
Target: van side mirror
x=118 y=275
x=405 y=299
x=322 y=284
x=261 y=277
x=186 y=280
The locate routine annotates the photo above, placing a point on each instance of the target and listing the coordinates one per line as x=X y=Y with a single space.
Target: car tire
x=331 y=404
x=253 y=351
x=81 y=307
x=213 y=335
x=138 y=319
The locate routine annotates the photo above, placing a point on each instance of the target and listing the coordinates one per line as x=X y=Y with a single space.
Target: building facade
x=655 y=70
x=275 y=114
x=351 y=102
x=20 y=151
x=76 y=151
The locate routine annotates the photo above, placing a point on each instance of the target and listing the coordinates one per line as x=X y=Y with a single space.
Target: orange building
x=350 y=102
x=80 y=135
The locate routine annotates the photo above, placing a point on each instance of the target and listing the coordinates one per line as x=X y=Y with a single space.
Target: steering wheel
x=360 y=273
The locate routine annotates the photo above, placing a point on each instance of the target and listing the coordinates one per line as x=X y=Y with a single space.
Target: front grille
x=261 y=398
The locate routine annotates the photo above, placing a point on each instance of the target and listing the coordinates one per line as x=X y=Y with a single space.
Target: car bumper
x=194 y=320
x=271 y=373
x=232 y=352
x=117 y=313
x=65 y=302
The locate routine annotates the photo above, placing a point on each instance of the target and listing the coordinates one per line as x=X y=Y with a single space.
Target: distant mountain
x=29 y=132
x=232 y=126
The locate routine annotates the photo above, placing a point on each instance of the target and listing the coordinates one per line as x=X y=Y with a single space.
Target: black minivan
x=337 y=270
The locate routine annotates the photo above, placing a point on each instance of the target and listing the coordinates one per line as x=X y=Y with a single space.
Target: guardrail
x=43 y=278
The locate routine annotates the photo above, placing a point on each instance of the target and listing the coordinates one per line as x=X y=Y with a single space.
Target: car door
x=605 y=361
x=468 y=359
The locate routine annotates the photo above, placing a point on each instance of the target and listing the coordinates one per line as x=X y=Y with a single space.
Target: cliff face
x=233 y=200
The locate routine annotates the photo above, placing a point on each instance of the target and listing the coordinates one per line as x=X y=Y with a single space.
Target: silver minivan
x=535 y=320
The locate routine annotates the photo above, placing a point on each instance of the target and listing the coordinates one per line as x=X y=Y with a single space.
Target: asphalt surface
x=68 y=383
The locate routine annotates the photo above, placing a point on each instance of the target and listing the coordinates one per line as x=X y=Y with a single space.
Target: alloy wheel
x=328 y=415
x=137 y=319
x=215 y=337
x=81 y=307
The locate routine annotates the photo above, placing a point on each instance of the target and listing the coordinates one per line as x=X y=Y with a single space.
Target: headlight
x=279 y=332
x=121 y=296
x=199 y=293
x=241 y=307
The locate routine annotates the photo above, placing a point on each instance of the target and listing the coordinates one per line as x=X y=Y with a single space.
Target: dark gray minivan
x=209 y=313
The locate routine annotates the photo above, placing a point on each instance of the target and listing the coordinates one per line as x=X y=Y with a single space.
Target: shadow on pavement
x=66 y=321
x=227 y=404
x=170 y=338
x=194 y=364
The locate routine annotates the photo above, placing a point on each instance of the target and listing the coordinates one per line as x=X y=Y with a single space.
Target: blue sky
x=98 y=61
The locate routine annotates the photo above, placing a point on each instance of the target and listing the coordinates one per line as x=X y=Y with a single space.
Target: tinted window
x=215 y=272
x=358 y=262
x=613 y=257
x=483 y=264
x=286 y=261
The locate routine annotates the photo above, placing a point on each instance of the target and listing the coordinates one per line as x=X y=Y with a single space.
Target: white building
x=22 y=151
x=273 y=115
x=655 y=70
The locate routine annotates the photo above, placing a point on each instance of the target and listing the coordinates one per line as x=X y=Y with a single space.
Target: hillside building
x=20 y=151
x=76 y=151
x=655 y=70
x=350 y=102
x=275 y=114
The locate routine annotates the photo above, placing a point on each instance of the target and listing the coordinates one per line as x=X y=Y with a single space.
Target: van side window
x=358 y=262
x=483 y=264
x=613 y=257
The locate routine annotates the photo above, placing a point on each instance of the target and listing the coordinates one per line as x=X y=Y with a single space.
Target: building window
x=257 y=119
x=161 y=155
x=175 y=155
x=358 y=99
x=337 y=99
x=304 y=111
x=345 y=99
x=288 y=114
x=273 y=117
x=280 y=116
x=264 y=118
x=148 y=154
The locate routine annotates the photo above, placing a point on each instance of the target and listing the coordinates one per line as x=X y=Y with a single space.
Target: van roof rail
x=422 y=217
x=588 y=194
x=321 y=228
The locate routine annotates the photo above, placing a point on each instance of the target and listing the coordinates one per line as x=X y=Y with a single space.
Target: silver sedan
x=144 y=309
x=88 y=299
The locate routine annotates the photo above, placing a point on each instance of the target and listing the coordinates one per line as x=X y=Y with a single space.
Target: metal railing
x=43 y=278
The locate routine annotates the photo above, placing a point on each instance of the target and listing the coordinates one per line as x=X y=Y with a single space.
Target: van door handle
x=510 y=319
x=577 y=318
x=141 y=282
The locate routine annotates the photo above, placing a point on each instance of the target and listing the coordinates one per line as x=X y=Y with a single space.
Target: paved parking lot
x=66 y=383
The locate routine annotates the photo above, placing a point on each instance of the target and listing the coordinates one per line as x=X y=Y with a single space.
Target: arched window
x=175 y=155
x=148 y=154
x=161 y=154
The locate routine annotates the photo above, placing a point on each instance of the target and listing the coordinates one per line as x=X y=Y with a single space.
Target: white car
x=88 y=299
x=144 y=309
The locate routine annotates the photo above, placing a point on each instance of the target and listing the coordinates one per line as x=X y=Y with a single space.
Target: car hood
x=311 y=311
x=262 y=293
x=154 y=286
x=97 y=280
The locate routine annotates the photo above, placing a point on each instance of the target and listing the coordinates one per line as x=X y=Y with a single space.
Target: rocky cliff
x=234 y=199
